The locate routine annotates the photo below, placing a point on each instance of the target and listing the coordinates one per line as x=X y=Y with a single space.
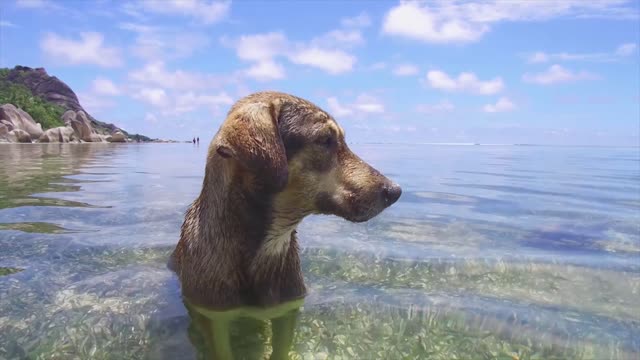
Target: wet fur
x=270 y=164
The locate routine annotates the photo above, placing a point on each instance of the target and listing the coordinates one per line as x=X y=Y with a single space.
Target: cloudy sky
x=549 y=72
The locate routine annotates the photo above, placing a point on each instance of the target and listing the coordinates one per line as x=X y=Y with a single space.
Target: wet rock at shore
x=117 y=136
x=81 y=125
x=18 y=136
x=62 y=134
x=4 y=131
x=19 y=119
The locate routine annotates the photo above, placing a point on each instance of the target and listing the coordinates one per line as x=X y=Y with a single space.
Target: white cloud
x=190 y=101
x=177 y=103
x=133 y=10
x=89 y=49
x=538 y=57
x=35 y=4
x=332 y=61
x=259 y=47
x=405 y=70
x=467 y=21
x=7 y=24
x=465 y=82
x=556 y=74
x=151 y=118
x=440 y=107
x=360 y=21
x=502 y=105
x=94 y=104
x=377 y=66
x=626 y=49
x=347 y=36
x=104 y=86
x=542 y=57
x=138 y=28
x=340 y=37
x=153 y=96
x=413 y=21
x=337 y=109
x=207 y=12
x=325 y=52
x=156 y=74
x=153 y=42
x=621 y=51
x=363 y=105
x=177 y=92
x=265 y=71
x=328 y=51
x=368 y=104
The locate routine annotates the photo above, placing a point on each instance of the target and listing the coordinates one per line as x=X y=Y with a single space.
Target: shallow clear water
x=492 y=252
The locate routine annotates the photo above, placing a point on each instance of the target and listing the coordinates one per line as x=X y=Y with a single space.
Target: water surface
x=502 y=252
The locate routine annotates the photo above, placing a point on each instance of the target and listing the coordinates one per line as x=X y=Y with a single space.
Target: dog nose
x=391 y=193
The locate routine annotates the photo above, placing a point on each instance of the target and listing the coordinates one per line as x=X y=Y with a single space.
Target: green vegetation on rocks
x=42 y=111
x=46 y=98
x=8 y=271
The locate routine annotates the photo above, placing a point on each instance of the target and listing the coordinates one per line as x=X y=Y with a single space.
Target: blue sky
x=548 y=72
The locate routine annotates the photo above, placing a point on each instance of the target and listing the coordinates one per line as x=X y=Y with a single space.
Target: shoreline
x=350 y=143
x=96 y=143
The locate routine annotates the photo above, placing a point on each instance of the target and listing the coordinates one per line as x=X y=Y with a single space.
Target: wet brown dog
x=276 y=159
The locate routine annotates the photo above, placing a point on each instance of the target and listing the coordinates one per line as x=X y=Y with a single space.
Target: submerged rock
x=81 y=125
x=3 y=131
x=7 y=123
x=19 y=135
x=62 y=134
x=117 y=136
x=19 y=119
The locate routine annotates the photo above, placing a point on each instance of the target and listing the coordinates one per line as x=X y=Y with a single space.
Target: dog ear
x=250 y=136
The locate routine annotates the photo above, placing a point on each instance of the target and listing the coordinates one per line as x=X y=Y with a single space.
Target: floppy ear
x=250 y=136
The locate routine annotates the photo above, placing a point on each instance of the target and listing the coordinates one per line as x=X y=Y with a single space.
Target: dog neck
x=265 y=221
x=278 y=237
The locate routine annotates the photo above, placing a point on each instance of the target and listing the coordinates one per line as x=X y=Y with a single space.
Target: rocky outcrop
x=4 y=131
x=7 y=123
x=18 y=136
x=81 y=125
x=53 y=90
x=48 y=87
x=62 y=134
x=117 y=136
x=77 y=127
x=19 y=119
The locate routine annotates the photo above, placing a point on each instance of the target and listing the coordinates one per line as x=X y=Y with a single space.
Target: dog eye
x=326 y=142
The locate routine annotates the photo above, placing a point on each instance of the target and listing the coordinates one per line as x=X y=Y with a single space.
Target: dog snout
x=391 y=193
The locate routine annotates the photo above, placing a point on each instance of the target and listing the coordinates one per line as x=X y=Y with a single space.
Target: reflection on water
x=492 y=252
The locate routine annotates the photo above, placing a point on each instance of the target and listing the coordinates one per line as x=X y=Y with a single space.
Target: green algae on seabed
x=547 y=284
x=369 y=331
x=334 y=330
x=42 y=201
x=117 y=322
x=8 y=271
x=33 y=227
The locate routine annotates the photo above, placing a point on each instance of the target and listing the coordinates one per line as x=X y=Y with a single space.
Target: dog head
x=288 y=147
